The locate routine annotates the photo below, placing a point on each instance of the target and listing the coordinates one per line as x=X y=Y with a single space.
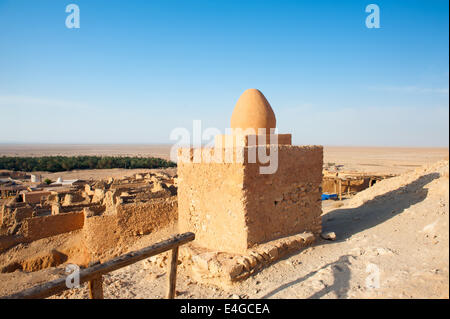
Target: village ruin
x=243 y=220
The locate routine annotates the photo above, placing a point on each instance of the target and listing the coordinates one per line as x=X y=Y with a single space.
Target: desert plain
x=397 y=231
x=378 y=160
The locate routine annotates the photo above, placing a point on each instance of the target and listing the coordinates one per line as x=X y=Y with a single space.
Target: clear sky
x=135 y=70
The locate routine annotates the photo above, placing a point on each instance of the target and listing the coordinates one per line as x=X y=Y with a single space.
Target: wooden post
x=172 y=278
x=93 y=274
x=340 y=189
x=96 y=288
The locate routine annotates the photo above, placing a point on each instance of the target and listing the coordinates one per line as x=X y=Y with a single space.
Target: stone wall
x=287 y=202
x=212 y=204
x=331 y=185
x=7 y=242
x=46 y=226
x=34 y=197
x=59 y=209
x=147 y=217
x=14 y=214
x=106 y=232
x=232 y=207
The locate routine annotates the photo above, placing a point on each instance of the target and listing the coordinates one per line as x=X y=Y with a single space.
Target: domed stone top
x=253 y=111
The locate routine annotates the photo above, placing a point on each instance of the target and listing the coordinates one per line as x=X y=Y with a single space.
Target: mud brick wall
x=10 y=215
x=330 y=186
x=7 y=241
x=147 y=217
x=46 y=226
x=211 y=204
x=232 y=207
x=104 y=232
x=34 y=197
x=287 y=202
x=58 y=209
x=101 y=233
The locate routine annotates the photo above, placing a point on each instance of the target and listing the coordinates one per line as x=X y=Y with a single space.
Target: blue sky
x=135 y=70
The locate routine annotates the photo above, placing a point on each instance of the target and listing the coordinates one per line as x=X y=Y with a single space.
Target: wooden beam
x=59 y=285
x=172 y=277
x=96 y=288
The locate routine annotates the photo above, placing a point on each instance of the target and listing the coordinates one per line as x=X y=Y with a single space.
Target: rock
x=244 y=262
x=236 y=270
x=68 y=200
x=234 y=296
x=273 y=253
x=158 y=186
x=88 y=212
x=200 y=261
x=328 y=235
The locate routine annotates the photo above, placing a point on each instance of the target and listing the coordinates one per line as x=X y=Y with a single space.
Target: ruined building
x=253 y=190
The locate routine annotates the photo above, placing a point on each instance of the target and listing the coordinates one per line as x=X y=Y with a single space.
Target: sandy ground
x=97 y=174
x=156 y=150
x=392 y=242
x=382 y=160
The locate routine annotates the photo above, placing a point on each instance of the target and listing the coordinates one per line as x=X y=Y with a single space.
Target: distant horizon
x=134 y=71
x=169 y=144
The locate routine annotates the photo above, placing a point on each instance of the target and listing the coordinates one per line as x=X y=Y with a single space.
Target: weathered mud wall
x=211 y=204
x=17 y=215
x=287 y=202
x=232 y=207
x=104 y=233
x=46 y=226
x=34 y=197
x=330 y=185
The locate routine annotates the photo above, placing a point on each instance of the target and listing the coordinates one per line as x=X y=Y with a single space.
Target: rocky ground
x=392 y=241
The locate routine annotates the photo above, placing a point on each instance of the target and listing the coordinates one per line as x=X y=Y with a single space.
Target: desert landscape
x=393 y=225
x=379 y=160
x=224 y=153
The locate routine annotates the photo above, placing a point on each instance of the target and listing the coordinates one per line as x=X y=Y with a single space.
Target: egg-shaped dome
x=253 y=111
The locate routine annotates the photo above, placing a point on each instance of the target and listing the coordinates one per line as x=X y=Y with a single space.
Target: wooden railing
x=93 y=275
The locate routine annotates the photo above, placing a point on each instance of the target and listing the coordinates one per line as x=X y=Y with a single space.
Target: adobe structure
x=98 y=219
x=252 y=198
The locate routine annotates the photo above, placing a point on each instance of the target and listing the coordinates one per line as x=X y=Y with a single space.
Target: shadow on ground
x=347 y=222
x=341 y=274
